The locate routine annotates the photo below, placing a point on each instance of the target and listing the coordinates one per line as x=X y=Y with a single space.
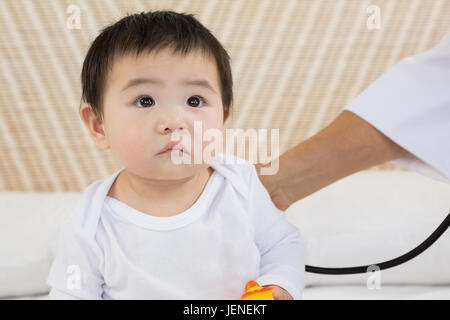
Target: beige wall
x=296 y=64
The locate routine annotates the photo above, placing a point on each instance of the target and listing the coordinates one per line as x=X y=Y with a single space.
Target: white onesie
x=233 y=233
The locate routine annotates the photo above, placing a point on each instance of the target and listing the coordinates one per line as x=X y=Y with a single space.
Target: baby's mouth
x=173 y=146
x=170 y=151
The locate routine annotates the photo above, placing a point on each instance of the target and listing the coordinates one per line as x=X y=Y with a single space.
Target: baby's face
x=148 y=98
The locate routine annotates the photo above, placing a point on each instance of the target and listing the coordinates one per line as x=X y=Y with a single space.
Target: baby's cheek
x=212 y=141
x=131 y=150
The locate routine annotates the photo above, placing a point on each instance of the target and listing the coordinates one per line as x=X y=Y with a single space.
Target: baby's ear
x=94 y=125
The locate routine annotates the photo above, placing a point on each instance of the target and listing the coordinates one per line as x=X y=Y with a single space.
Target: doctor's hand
x=347 y=145
x=277 y=193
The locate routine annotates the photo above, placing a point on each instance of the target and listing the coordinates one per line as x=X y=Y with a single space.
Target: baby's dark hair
x=150 y=32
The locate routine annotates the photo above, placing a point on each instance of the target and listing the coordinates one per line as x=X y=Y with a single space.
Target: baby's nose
x=169 y=125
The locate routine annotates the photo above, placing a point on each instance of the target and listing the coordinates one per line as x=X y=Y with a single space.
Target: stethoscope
x=387 y=264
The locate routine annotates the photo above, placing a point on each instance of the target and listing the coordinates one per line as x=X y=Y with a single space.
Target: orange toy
x=254 y=292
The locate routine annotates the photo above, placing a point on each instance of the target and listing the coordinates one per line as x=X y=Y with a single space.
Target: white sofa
x=367 y=218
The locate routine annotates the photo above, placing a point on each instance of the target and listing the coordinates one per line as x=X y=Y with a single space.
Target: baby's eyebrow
x=194 y=82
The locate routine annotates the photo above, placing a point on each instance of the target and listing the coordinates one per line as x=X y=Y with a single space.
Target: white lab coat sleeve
x=75 y=271
x=280 y=243
x=410 y=104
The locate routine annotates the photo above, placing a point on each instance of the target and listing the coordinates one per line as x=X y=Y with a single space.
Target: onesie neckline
x=165 y=223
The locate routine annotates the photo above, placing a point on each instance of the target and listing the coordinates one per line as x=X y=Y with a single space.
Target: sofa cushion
x=29 y=225
x=375 y=216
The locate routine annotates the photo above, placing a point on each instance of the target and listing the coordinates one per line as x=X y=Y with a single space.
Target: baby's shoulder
x=85 y=215
x=237 y=170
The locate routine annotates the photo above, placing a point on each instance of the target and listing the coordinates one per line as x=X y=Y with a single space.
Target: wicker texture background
x=295 y=63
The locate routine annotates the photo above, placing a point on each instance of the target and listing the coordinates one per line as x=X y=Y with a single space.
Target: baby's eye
x=144 y=102
x=196 y=101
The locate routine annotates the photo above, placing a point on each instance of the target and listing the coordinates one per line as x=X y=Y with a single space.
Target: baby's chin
x=171 y=171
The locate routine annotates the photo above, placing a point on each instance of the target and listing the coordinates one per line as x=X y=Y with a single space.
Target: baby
x=157 y=229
